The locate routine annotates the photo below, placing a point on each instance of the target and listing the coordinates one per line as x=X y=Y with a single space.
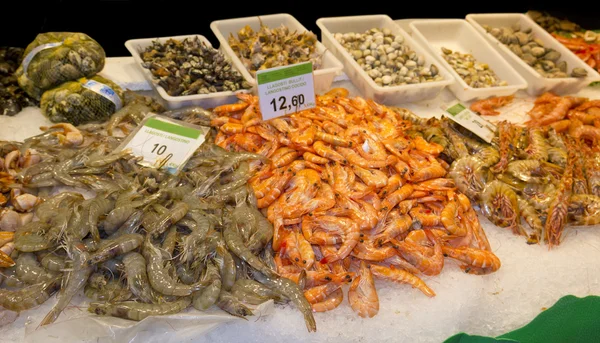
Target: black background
x=112 y=22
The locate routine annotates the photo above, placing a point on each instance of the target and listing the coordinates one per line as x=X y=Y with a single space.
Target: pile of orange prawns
x=354 y=195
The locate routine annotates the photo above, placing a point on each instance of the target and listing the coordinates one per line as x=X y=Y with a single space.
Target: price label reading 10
x=285 y=90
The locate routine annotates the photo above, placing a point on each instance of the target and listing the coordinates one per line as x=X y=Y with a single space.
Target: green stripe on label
x=456 y=109
x=173 y=128
x=268 y=76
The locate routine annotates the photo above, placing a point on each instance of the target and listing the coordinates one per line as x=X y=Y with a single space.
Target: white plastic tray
x=537 y=84
x=323 y=77
x=458 y=35
x=136 y=46
x=362 y=81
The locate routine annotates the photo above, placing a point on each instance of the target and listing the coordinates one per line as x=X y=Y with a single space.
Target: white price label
x=165 y=143
x=285 y=90
x=470 y=121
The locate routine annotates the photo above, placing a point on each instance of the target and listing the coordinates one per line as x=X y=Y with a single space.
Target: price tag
x=285 y=90
x=165 y=142
x=470 y=121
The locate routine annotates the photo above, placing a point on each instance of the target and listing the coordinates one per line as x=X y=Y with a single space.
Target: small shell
x=562 y=65
x=552 y=56
x=579 y=72
x=26 y=218
x=516 y=49
x=538 y=41
x=9 y=220
x=25 y=202
x=6 y=237
x=496 y=32
x=529 y=59
x=516 y=27
x=522 y=37
x=547 y=65
x=434 y=70
x=446 y=51
x=538 y=51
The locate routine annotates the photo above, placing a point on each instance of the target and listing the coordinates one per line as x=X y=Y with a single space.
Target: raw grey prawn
x=138 y=311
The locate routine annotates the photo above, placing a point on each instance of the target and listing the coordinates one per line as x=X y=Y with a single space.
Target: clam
x=579 y=72
x=529 y=59
x=538 y=51
x=562 y=66
x=552 y=55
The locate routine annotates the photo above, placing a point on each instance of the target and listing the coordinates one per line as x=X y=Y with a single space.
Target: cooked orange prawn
x=394 y=227
x=354 y=158
x=362 y=295
x=367 y=250
x=333 y=300
x=396 y=197
x=424 y=216
x=326 y=151
x=393 y=183
x=559 y=111
x=401 y=276
x=318 y=294
x=450 y=218
x=476 y=261
x=231 y=128
x=428 y=147
x=306 y=251
x=472 y=220
x=240 y=106
x=433 y=171
x=332 y=139
x=487 y=106
x=430 y=261
x=309 y=156
x=371 y=177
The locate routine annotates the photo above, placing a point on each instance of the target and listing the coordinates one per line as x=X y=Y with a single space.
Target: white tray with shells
x=323 y=75
x=532 y=32
x=460 y=36
x=137 y=46
x=382 y=93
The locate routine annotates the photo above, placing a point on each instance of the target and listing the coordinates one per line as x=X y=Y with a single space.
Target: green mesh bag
x=82 y=101
x=57 y=57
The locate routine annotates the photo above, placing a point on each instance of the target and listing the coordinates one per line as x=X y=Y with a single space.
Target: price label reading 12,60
x=285 y=90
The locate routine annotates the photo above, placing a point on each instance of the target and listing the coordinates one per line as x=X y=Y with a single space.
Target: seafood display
x=475 y=74
x=190 y=67
x=543 y=176
x=339 y=201
x=82 y=101
x=274 y=47
x=57 y=57
x=523 y=43
x=354 y=193
x=146 y=242
x=568 y=114
x=584 y=43
x=387 y=59
x=12 y=97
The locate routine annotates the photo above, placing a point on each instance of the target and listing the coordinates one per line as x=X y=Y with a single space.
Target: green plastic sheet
x=571 y=319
